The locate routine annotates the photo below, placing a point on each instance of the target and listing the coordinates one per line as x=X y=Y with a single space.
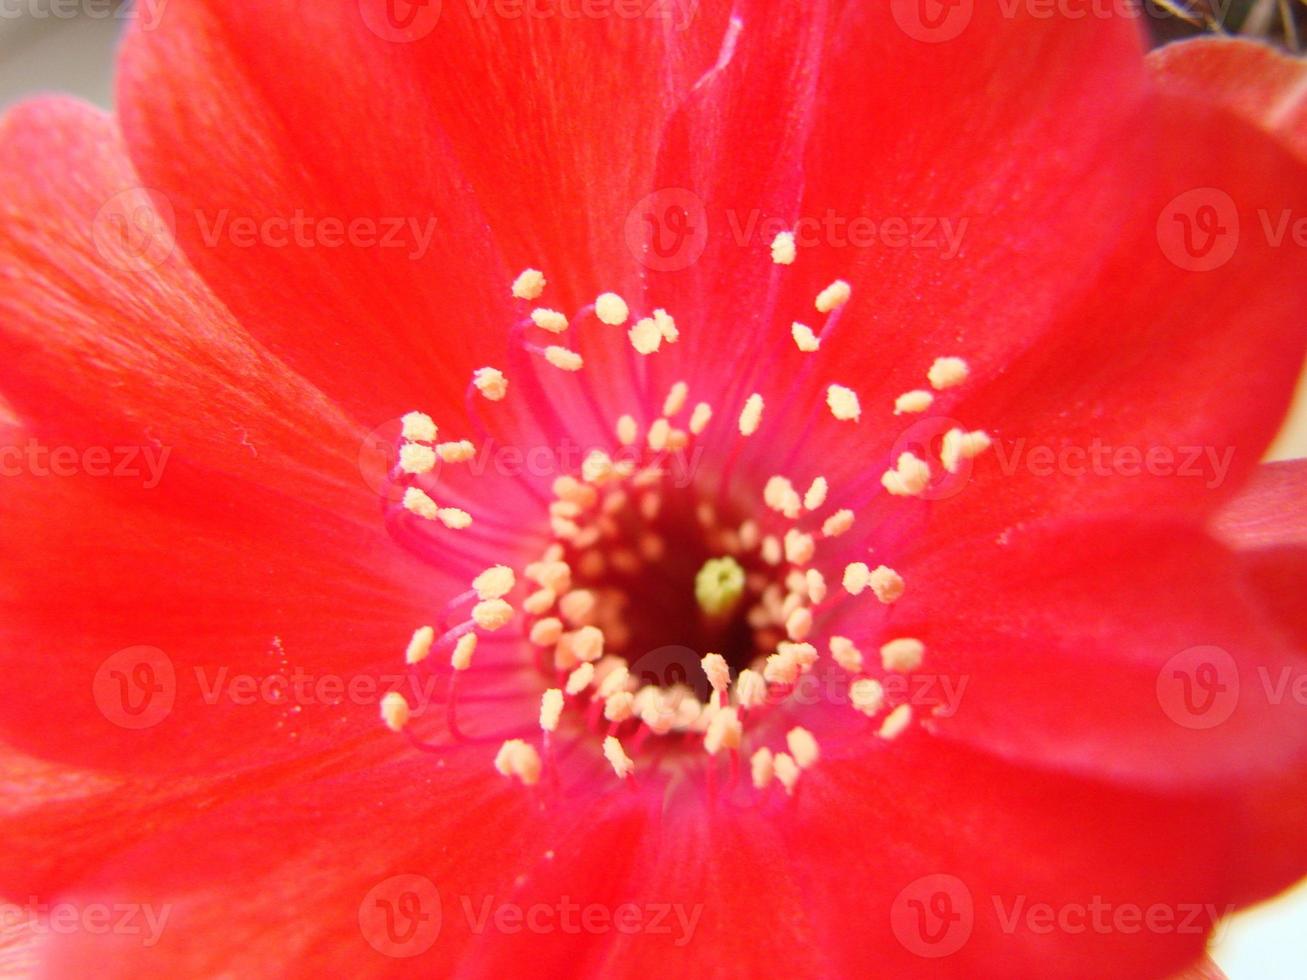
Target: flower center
x=662 y=616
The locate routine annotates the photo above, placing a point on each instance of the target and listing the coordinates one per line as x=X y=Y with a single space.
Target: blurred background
x=68 y=46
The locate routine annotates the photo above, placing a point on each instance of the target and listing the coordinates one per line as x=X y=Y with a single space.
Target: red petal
x=488 y=132
x=820 y=886
x=1123 y=651
x=1160 y=388
x=109 y=340
x=247 y=630
x=1251 y=79
x=1270 y=511
x=856 y=121
x=330 y=867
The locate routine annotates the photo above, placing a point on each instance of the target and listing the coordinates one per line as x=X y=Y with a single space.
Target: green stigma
x=719 y=586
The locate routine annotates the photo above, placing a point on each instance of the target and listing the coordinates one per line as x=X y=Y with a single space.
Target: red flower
x=1059 y=751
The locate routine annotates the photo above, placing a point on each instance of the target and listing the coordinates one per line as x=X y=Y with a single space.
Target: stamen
x=539 y=602
x=779 y=494
x=896 y=722
x=843 y=403
x=947 y=372
x=564 y=359
x=857 y=576
x=461 y=658
x=415 y=458
x=418 y=427
x=844 y=653
x=815 y=583
x=718 y=673
x=959 y=445
x=910 y=476
x=617 y=757
x=453 y=518
x=611 y=309
x=724 y=731
x=799 y=625
x=887 y=584
x=667 y=326
x=902 y=655
x=607 y=518
x=781 y=667
x=751 y=416
x=619 y=707
x=837 y=523
x=529 y=284
x=804 y=338
x=833 y=296
x=675 y=400
x=456 y=452
x=816 y=494
x=394 y=711
x=658 y=434
x=546 y=632
x=550 y=320
x=419 y=647
x=518 y=758
x=786 y=770
x=551 y=709
x=492 y=614
x=645 y=336
x=491 y=383
x=867 y=696
x=803 y=747
x=913 y=402
x=750 y=689
x=417 y=502
x=627 y=430
x=577 y=605
x=579 y=679
x=799 y=547
x=783 y=251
